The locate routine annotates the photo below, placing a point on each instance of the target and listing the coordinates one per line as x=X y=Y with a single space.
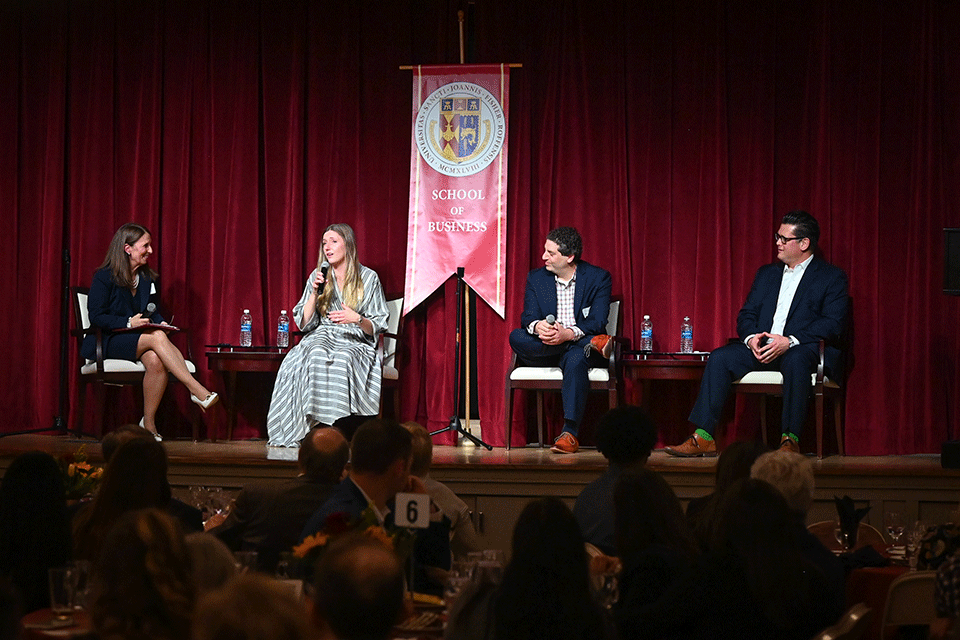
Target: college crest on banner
x=458 y=181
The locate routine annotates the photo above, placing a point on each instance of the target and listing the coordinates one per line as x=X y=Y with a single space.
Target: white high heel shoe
x=156 y=436
x=207 y=402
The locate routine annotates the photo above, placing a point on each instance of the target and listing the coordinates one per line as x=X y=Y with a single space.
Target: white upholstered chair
x=540 y=379
x=107 y=371
x=387 y=352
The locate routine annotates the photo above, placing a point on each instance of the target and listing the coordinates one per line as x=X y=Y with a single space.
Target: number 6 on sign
x=412 y=510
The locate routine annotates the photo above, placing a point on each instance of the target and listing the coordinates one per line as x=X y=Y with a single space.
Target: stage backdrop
x=674 y=135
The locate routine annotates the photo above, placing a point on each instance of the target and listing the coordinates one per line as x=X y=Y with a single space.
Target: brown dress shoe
x=565 y=443
x=602 y=344
x=694 y=447
x=789 y=444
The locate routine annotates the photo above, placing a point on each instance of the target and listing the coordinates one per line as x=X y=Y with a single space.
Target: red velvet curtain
x=673 y=135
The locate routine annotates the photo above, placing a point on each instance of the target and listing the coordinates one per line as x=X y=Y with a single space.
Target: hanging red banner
x=458 y=181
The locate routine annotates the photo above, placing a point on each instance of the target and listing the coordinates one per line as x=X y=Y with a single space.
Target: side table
x=230 y=360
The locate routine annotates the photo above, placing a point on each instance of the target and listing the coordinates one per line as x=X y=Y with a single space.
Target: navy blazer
x=591 y=299
x=818 y=311
x=110 y=306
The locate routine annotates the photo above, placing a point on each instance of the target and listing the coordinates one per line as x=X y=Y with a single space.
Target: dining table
x=42 y=624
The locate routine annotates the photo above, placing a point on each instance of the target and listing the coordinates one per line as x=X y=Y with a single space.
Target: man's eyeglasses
x=779 y=238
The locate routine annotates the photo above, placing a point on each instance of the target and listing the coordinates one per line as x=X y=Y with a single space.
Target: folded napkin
x=849 y=517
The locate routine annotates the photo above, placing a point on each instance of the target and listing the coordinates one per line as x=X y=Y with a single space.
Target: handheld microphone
x=550 y=319
x=151 y=309
x=323 y=270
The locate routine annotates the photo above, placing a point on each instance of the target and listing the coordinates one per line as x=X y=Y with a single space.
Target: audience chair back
x=540 y=379
x=106 y=371
x=910 y=600
x=851 y=625
x=387 y=349
x=867 y=535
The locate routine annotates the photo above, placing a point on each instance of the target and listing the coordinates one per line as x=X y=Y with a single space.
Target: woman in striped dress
x=334 y=371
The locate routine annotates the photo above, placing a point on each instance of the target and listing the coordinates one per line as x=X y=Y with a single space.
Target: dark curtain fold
x=673 y=135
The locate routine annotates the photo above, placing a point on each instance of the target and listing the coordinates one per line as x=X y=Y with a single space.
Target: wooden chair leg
x=101 y=401
x=819 y=410
x=763 y=419
x=838 y=421
x=509 y=408
x=81 y=407
x=540 y=418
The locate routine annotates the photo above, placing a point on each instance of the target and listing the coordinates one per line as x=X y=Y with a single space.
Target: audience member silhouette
x=34 y=526
x=268 y=517
x=10 y=612
x=752 y=582
x=252 y=607
x=733 y=464
x=463 y=535
x=142 y=585
x=654 y=542
x=136 y=478
x=191 y=518
x=625 y=436
x=545 y=592
x=792 y=475
x=212 y=562
x=358 y=587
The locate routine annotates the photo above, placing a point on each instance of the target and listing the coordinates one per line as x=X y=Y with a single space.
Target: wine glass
x=893 y=522
x=842 y=538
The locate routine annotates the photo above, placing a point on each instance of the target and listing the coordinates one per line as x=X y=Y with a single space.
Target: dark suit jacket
x=110 y=306
x=818 y=311
x=267 y=517
x=591 y=300
x=344 y=498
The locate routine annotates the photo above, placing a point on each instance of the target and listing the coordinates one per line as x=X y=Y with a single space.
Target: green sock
x=789 y=435
x=703 y=435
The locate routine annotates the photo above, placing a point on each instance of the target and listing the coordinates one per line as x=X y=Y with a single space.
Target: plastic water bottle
x=246 y=329
x=686 y=336
x=283 y=330
x=646 y=334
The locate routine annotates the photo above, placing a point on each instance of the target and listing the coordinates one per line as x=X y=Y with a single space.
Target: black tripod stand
x=455 y=418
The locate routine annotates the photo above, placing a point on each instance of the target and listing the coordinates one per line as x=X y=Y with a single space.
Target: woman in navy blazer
x=119 y=296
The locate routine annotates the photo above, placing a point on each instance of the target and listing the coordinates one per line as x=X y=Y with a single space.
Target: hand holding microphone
x=321 y=278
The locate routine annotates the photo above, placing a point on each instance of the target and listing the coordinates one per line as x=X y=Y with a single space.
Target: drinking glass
x=81 y=582
x=62 y=592
x=841 y=536
x=452 y=589
x=893 y=522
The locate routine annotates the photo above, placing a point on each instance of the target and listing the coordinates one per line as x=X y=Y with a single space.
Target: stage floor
x=497 y=484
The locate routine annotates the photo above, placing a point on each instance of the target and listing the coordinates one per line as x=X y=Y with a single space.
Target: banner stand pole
x=455 y=418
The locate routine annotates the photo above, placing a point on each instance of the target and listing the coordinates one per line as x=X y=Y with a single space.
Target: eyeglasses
x=779 y=238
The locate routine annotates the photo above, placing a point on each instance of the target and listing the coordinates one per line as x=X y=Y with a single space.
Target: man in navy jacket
x=790 y=308
x=565 y=317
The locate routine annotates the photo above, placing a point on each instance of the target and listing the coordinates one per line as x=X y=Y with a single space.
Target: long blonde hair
x=352 y=292
x=117 y=259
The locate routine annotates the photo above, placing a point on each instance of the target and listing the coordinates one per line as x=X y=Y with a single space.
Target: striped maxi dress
x=333 y=372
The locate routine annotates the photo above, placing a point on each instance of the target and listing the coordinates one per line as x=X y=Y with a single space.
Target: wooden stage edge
x=497 y=484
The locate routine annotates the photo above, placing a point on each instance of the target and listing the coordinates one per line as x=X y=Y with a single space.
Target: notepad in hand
x=150 y=325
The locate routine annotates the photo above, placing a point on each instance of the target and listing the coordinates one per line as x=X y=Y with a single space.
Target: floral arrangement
x=80 y=478
x=398 y=539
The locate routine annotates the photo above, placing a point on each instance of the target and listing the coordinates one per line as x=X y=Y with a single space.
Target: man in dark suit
x=267 y=517
x=564 y=318
x=790 y=308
